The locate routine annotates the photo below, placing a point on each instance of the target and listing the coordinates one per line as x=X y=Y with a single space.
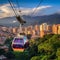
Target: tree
x=48 y=36
x=8 y=43
x=36 y=58
x=55 y=41
x=58 y=54
x=45 y=48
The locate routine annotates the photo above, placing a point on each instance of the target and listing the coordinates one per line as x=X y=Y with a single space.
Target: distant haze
x=51 y=19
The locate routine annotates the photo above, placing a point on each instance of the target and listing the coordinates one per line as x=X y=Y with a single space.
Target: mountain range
x=31 y=20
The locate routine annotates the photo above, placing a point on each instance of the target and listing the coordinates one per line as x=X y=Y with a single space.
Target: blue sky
x=33 y=3
x=27 y=6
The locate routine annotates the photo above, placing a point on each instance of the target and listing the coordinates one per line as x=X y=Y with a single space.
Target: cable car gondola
x=20 y=43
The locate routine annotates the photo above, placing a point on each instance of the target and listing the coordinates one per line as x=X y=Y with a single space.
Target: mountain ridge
x=32 y=20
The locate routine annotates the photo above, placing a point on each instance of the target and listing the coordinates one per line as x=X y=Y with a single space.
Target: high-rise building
x=36 y=27
x=55 y=29
x=37 y=31
x=14 y=30
x=43 y=27
x=33 y=32
x=42 y=33
x=49 y=29
x=58 y=28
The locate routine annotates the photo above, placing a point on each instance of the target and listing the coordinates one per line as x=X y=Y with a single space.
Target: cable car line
x=18 y=17
x=18 y=6
x=12 y=7
x=37 y=7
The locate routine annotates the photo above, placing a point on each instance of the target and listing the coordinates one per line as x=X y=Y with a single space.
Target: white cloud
x=27 y=11
x=5 y=8
x=6 y=11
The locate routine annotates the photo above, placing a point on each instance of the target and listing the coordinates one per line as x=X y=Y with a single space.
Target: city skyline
x=35 y=31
